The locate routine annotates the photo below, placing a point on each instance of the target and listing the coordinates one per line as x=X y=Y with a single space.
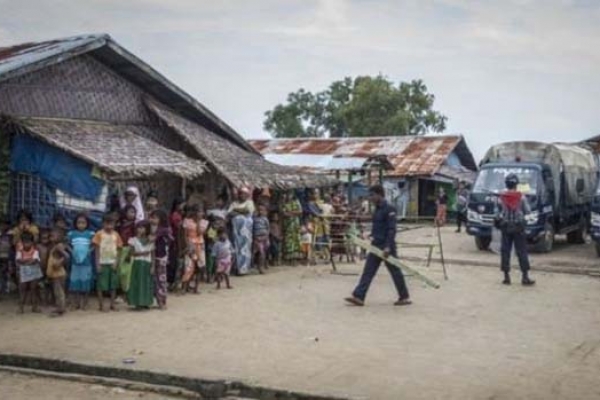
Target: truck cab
x=595 y=219
x=535 y=182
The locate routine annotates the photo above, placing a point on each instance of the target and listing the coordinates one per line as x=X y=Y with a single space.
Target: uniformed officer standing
x=511 y=222
x=383 y=237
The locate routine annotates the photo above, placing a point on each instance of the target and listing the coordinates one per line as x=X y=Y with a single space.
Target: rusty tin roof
x=409 y=155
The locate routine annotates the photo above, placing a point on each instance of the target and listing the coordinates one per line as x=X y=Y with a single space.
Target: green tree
x=364 y=106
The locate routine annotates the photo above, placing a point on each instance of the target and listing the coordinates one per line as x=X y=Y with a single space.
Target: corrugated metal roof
x=409 y=155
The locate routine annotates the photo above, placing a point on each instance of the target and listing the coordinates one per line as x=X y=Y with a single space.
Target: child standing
x=162 y=243
x=260 y=233
x=5 y=255
x=108 y=244
x=217 y=221
x=30 y=272
x=305 y=242
x=43 y=248
x=126 y=232
x=80 y=281
x=222 y=251
x=56 y=274
x=140 y=294
x=275 y=238
x=195 y=227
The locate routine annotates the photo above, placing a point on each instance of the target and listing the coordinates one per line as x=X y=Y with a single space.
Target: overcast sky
x=501 y=70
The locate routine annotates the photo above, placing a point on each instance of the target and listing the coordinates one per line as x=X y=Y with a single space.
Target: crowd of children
x=141 y=253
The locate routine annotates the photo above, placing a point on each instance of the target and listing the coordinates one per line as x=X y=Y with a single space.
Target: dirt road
x=473 y=338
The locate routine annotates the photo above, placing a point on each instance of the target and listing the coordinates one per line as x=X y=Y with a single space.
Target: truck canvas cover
x=576 y=161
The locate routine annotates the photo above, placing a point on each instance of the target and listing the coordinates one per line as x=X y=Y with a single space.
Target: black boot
x=506 y=280
x=526 y=281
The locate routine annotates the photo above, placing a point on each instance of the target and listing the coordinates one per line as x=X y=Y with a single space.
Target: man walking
x=383 y=237
x=511 y=222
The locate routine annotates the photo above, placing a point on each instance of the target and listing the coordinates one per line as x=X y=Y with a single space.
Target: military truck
x=559 y=181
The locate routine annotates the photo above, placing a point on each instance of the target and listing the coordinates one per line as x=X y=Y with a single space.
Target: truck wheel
x=546 y=242
x=598 y=249
x=483 y=243
x=576 y=237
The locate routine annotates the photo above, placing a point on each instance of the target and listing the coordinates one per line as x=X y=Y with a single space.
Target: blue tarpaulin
x=61 y=170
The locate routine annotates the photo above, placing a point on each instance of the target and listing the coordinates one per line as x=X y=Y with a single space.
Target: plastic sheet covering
x=59 y=169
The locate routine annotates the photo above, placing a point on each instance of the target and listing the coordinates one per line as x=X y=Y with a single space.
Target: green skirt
x=124 y=270
x=141 y=288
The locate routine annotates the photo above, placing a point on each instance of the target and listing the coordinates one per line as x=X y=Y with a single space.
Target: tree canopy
x=363 y=106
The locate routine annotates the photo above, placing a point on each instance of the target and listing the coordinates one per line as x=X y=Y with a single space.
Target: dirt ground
x=461 y=247
x=472 y=338
x=22 y=387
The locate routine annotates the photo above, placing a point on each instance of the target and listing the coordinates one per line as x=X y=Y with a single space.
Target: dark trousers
x=371 y=266
x=520 y=242
x=461 y=217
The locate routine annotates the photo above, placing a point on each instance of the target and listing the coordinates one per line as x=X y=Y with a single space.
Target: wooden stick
x=394 y=261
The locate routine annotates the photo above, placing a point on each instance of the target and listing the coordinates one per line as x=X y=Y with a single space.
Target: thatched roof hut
x=91 y=99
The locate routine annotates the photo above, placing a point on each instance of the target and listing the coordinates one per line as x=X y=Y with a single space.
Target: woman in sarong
x=241 y=212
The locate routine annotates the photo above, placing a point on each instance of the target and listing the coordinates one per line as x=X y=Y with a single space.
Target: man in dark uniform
x=383 y=237
x=511 y=222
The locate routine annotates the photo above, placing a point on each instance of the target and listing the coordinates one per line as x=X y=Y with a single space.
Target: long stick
x=393 y=260
x=439 y=232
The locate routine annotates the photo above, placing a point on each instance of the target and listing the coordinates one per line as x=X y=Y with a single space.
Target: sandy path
x=473 y=338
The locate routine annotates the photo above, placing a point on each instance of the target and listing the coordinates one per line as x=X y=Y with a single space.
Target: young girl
x=162 y=243
x=261 y=230
x=275 y=239
x=30 y=272
x=108 y=245
x=126 y=232
x=195 y=259
x=221 y=251
x=140 y=294
x=80 y=281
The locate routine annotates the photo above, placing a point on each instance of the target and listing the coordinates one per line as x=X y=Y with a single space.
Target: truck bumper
x=595 y=233
x=479 y=230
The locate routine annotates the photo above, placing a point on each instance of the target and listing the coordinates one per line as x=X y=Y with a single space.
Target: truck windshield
x=491 y=180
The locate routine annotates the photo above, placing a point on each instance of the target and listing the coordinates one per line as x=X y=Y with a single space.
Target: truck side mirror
x=580 y=186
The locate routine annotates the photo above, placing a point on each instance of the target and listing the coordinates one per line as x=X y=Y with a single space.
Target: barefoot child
x=56 y=273
x=194 y=226
x=222 y=251
x=305 y=243
x=140 y=294
x=108 y=244
x=5 y=255
x=260 y=234
x=30 y=272
x=162 y=243
x=80 y=281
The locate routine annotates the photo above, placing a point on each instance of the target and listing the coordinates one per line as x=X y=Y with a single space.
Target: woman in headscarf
x=132 y=198
x=241 y=212
x=292 y=211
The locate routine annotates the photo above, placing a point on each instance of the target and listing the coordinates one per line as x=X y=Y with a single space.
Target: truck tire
x=597 y=248
x=546 y=242
x=483 y=243
x=576 y=237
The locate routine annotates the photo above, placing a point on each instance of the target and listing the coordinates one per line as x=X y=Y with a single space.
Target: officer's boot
x=506 y=280
x=526 y=281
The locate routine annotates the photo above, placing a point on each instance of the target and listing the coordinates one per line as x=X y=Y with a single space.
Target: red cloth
x=511 y=200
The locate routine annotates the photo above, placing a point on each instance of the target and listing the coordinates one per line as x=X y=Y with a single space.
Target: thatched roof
x=27 y=57
x=114 y=149
x=240 y=167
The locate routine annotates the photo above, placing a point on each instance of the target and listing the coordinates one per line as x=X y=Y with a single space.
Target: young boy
x=30 y=272
x=108 y=243
x=260 y=233
x=56 y=272
x=43 y=248
x=306 y=242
